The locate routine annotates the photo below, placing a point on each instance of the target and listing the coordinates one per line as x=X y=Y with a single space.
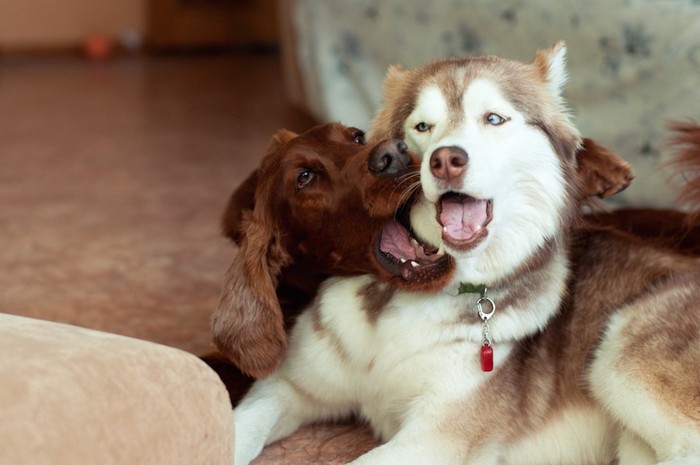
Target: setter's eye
x=304 y=177
x=422 y=127
x=359 y=138
x=494 y=119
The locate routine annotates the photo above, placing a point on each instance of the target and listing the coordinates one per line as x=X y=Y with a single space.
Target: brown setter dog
x=317 y=206
x=325 y=203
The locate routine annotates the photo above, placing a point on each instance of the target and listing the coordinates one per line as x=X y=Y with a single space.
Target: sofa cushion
x=70 y=395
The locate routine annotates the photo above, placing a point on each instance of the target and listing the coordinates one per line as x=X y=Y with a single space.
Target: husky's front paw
x=250 y=438
x=243 y=457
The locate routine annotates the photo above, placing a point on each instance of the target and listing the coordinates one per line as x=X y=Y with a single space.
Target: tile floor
x=112 y=181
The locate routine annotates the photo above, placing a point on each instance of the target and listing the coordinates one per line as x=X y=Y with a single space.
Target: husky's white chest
x=415 y=354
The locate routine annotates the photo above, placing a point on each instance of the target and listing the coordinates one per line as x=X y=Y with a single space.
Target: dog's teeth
x=414 y=264
x=403 y=260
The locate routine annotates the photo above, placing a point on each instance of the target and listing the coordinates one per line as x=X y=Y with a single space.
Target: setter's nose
x=390 y=158
x=448 y=163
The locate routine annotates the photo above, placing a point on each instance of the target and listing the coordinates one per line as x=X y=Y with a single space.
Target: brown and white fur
x=596 y=335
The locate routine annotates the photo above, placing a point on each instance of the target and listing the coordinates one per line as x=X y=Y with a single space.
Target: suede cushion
x=69 y=395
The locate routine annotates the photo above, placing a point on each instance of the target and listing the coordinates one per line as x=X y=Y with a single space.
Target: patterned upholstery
x=633 y=65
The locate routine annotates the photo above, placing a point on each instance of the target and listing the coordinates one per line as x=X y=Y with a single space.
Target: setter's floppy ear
x=243 y=198
x=602 y=173
x=247 y=325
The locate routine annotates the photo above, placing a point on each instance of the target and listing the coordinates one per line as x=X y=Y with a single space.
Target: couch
x=633 y=65
x=72 y=396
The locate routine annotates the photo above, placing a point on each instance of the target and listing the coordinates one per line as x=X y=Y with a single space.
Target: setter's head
x=321 y=203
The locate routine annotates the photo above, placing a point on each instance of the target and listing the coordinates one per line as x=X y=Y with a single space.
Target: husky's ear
x=394 y=74
x=551 y=63
x=384 y=124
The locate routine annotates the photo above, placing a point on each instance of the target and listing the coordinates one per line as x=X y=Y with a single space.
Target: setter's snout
x=390 y=158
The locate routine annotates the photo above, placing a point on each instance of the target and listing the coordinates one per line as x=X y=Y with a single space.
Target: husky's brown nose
x=448 y=164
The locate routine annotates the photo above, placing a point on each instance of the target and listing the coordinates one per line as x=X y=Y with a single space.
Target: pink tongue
x=462 y=218
x=395 y=240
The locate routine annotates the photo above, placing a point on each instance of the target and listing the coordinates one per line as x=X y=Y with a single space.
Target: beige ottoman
x=74 y=396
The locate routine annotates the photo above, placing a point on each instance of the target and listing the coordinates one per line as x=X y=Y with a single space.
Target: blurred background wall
x=45 y=25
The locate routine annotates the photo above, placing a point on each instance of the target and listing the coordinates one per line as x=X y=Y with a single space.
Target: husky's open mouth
x=464 y=220
x=402 y=254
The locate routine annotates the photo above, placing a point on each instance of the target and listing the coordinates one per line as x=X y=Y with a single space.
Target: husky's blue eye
x=495 y=119
x=422 y=127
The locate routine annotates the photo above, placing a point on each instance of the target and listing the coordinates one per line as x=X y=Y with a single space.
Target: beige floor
x=112 y=181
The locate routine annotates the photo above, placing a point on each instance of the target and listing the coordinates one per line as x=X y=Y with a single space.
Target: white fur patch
x=577 y=436
x=431 y=109
x=633 y=451
x=628 y=401
x=557 y=74
x=513 y=165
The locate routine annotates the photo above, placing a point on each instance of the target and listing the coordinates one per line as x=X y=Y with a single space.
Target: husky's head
x=499 y=156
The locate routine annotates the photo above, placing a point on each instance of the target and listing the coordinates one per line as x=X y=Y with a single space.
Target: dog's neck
x=527 y=298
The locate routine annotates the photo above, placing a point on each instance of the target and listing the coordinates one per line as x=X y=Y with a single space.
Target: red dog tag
x=487 y=358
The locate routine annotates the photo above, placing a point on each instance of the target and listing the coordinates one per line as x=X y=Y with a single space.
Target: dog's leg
x=633 y=451
x=421 y=443
x=261 y=417
x=410 y=451
x=301 y=391
x=273 y=409
x=646 y=373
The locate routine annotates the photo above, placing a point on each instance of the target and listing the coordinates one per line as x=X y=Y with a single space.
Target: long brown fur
x=668 y=228
x=291 y=239
x=687 y=164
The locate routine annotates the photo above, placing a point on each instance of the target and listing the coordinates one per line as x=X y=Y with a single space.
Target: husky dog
x=556 y=343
